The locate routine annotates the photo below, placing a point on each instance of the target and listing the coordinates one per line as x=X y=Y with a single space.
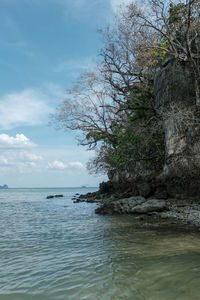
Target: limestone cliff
x=175 y=103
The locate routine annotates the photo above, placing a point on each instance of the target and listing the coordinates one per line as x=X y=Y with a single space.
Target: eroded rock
x=132 y=205
x=152 y=205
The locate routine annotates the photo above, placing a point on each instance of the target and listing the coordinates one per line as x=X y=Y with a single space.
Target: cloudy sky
x=44 y=45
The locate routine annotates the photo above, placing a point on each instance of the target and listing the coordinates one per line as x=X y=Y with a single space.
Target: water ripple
x=52 y=250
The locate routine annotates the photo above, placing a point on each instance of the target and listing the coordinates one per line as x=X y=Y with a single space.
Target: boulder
x=152 y=205
x=132 y=205
x=122 y=206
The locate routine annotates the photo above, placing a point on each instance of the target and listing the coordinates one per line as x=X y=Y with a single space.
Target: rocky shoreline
x=174 y=211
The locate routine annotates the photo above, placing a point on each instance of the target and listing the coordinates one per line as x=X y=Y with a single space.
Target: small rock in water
x=54 y=196
x=49 y=197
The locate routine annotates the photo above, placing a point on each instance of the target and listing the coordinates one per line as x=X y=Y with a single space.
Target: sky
x=44 y=46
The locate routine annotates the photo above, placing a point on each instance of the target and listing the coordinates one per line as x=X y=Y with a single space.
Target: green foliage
x=161 y=51
x=177 y=14
x=182 y=92
x=139 y=139
x=121 y=123
x=134 y=147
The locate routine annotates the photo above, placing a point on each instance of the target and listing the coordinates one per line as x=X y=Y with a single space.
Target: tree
x=175 y=29
x=87 y=111
x=113 y=107
x=125 y=134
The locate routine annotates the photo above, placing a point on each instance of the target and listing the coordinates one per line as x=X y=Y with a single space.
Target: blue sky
x=44 y=45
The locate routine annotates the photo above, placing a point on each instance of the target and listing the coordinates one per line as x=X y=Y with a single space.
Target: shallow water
x=55 y=249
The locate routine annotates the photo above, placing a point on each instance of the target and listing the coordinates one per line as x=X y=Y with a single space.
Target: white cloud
x=20 y=154
x=20 y=140
x=3 y=160
x=44 y=166
x=31 y=164
x=76 y=164
x=28 y=107
x=16 y=154
x=32 y=157
x=57 y=165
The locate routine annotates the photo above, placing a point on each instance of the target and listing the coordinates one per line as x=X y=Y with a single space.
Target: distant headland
x=4 y=186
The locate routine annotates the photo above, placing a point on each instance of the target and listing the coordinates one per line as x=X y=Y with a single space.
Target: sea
x=54 y=249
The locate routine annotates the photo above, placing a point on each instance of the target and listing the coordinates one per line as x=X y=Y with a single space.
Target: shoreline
x=175 y=211
x=183 y=211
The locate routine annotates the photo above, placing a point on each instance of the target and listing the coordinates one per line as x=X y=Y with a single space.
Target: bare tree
x=87 y=111
x=175 y=30
x=113 y=107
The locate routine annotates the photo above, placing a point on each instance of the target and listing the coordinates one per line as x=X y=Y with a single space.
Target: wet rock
x=78 y=200
x=161 y=192
x=89 y=197
x=49 y=197
x=132 y=205
x=106 y=187
x=152 y=205
x=144 y=189
x=54 y=196
x=122 y=206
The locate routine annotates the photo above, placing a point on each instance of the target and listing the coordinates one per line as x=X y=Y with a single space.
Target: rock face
x=175 y=100
x=132 y=205
x=151 y=205
x=174 y=83
x=175 y=103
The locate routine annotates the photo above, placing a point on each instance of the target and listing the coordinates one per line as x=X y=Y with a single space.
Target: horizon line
x=52 y=187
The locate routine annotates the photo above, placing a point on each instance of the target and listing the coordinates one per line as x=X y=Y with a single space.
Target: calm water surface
x=55 y=249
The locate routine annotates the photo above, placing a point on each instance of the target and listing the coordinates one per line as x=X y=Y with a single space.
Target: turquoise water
x=55 y=249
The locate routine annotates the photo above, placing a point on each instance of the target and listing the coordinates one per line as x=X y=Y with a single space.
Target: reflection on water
x=54 y=249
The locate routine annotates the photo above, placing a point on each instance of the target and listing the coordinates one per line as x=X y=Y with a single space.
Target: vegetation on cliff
x=113 y=107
